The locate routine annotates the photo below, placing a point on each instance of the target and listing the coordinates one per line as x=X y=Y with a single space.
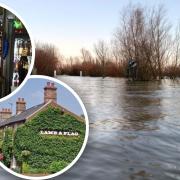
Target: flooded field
x=134 y=129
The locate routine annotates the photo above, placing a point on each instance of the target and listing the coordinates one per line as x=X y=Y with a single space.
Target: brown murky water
x=134 y=130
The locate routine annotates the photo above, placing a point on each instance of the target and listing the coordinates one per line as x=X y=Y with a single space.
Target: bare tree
x=159 y=37
x=101 y=50
x=174 y=68
x=144 y=38
x=116 y=53
x=176 y=43
x=86 y=55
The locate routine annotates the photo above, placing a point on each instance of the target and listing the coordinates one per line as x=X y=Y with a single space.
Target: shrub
x=41 y=171
x=25 y=168
x=25 y=154
x=46 y=59
x=57 y=166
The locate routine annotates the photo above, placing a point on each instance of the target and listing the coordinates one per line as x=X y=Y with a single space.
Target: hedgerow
x=42 y=151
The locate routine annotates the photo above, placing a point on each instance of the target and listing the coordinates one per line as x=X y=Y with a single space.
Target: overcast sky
x=73 y=24
x=33 y=93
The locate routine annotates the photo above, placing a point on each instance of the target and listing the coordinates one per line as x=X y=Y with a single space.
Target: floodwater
x=134 y=130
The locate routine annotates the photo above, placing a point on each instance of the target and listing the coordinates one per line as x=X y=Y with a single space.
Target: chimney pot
x=20 y=105
x=50 y=93
x=5 y=113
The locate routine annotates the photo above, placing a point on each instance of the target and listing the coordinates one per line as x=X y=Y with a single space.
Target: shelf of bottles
x=22 y=43
x=22 y=47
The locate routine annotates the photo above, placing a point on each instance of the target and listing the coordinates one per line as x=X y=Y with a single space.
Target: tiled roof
x=22 y=116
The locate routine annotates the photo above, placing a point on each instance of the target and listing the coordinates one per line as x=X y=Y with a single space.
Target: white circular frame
x=33 y=52
x=85 y=139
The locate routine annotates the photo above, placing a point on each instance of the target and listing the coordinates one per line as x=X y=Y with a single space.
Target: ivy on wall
x=7 y=147
x=1 y=139
x=46 y=152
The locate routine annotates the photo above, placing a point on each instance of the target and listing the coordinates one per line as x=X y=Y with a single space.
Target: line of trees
x=143 y=35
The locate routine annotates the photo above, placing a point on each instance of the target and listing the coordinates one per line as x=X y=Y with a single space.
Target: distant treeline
x=143 y=35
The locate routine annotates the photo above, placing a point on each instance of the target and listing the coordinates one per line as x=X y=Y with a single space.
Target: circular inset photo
x=16 y=51
x=43 y=129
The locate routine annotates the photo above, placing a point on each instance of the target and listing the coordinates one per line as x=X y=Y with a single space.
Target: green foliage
x=17 y=170
x=1 y=139
x=25 y=154
x=57 y=166
x=31 y=170
x=46 y=149
x=1 y=143
x=7 y=147
x=25 y=168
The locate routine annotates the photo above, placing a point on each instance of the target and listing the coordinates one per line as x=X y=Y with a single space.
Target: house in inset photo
x=42 y=139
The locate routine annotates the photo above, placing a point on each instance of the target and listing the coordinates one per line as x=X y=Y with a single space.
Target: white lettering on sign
x=59 y=133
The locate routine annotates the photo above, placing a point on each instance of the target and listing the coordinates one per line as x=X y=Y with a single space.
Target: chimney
x=20 y=105
x=5 y=113
x=50 y=93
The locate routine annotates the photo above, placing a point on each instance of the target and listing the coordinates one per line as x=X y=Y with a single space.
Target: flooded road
x=134 y=129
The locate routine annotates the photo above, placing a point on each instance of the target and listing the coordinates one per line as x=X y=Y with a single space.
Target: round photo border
x=33 y=52
x=84 y=143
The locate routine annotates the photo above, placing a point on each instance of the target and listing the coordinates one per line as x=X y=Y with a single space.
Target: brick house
x=22 y=114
